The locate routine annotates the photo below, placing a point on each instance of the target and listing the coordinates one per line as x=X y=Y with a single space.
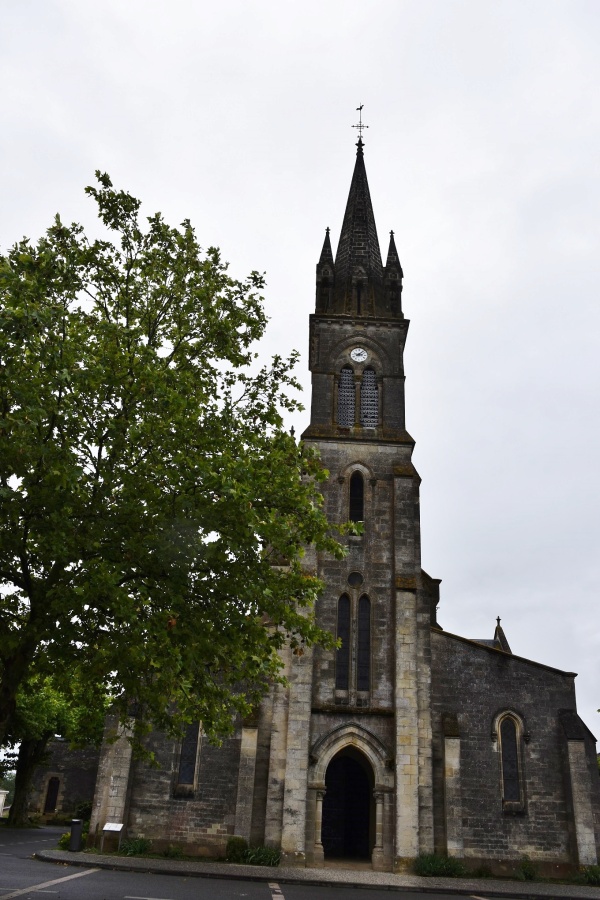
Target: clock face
x=358 y=354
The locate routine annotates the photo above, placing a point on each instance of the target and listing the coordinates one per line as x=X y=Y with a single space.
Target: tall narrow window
x=346 y=398
x=509 y=745
x=342 y=662
x=363 y=654
x=357 y=498
x=369 y=400
x=188 y=755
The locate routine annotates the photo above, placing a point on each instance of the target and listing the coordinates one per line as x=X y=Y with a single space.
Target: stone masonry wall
x=473 y=684
x=76 y=771
x=201 y=822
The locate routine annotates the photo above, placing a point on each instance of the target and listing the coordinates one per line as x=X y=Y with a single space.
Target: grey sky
x=482 y=154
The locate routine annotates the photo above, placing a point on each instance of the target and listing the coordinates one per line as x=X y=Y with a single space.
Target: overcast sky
x=483 y=156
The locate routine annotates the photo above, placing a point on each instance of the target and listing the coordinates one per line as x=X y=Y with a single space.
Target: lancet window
x=363 y=650
x=369 y=400
x=357 y=498
x=189 y=753
x=342 y=662
x=346 y=398
x=509 y=751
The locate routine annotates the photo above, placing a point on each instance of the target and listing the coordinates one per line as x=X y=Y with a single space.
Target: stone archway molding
x=350 y=734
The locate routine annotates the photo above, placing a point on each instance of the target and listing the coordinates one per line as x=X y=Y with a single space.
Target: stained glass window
x=363 y=658
x=342 y=666
x=369 y=402
x=511 y=788
x=346 y=398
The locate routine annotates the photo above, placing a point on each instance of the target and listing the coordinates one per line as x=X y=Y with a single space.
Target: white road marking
x=276 y=891
x=475 y=897
x=45 y=884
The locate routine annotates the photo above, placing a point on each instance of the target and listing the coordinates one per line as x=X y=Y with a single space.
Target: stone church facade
x=407 y=739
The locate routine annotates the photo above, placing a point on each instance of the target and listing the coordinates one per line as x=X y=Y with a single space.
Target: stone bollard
x=75 y=843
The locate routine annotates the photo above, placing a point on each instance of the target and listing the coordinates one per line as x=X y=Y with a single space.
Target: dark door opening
x=52 y=795
x=347 y=830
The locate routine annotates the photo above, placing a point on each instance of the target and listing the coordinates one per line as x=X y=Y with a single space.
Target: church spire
x=357 y=284
x=358 y=247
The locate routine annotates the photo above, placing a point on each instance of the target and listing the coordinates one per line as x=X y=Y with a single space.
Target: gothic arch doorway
x=348 y=828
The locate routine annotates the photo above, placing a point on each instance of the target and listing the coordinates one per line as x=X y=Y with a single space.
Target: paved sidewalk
x=482 y=887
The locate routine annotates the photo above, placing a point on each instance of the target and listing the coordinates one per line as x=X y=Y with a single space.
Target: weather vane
x=360 y=125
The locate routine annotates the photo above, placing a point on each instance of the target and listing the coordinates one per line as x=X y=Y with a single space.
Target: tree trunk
x=31 y=754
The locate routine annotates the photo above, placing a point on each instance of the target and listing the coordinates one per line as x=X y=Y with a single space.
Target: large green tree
x=153 y=509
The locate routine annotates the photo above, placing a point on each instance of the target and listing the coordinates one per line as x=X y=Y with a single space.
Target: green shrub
x=431 y=865
x=173 y=852
x=83 y=811
x=589 y=875
x=526 y=870
x=236 y=849
x=65 y=839
x=135 y=847
x=262 y=856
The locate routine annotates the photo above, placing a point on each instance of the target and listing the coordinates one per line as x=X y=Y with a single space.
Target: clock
x=358 y=354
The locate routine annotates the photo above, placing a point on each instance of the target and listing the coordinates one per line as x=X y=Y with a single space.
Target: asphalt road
x=26 y=878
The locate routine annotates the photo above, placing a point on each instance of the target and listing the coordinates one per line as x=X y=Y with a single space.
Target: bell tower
x=358 y=330
x=370 y=699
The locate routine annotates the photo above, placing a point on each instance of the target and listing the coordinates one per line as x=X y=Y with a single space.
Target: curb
x=233 y=872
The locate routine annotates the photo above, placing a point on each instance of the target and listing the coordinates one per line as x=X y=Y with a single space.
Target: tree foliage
x=153 y=509
x=43 y=712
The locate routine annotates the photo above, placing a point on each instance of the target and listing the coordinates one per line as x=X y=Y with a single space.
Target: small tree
x=43 y=712
x=153 y=510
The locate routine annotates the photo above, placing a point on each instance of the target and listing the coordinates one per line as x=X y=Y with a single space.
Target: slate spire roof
x=358 y=244
x=357 y=284
x=326 y=257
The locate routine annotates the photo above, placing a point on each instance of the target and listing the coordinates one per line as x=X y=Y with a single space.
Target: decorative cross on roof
x=360 y=125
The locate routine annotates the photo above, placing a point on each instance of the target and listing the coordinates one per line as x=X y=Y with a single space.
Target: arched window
x=509 y=754
x=346 y=398
x=188 y=756
x=357 y=498
x=369 y=400
x=342 y=662
x=363 y=652
x=52 y=795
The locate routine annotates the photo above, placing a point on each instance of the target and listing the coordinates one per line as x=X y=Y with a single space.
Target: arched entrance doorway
x=347 y=830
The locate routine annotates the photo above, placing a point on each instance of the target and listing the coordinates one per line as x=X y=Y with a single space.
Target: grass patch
x=135 y=847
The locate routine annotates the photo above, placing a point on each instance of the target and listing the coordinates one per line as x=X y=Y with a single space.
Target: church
x=407 y=739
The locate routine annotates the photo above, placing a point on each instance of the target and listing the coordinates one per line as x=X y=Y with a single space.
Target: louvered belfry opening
x=346 y=398
x=369 y=400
